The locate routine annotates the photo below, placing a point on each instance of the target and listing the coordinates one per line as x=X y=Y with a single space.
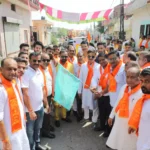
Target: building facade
x=15 y=24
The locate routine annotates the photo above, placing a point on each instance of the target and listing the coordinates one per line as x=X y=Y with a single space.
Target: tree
x=62 y=32
x=54 y=39
x=100 y=27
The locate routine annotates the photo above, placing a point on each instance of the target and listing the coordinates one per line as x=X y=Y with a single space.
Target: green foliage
x=62 y=32
x=100 y=27
x=54 y=39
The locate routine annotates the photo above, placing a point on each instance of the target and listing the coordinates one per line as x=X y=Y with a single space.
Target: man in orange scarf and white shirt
x=140 y=121
x=129 y=94
x=144 y=59
x=87 y=72
x=12 y=116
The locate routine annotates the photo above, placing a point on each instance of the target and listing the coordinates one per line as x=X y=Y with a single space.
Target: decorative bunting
x=75 y=17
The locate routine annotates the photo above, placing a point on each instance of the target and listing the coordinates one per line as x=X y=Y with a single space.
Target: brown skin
x=101 y=48
x=63 y=57
x=9 y=72
x=56 y=51
x=142 y=61
x=21 y=69
x=45 y=60
x=50 y=53
x=38 y=48
x=25 y=49
x=132 y=79
x=71 y=51
x=33 y=64
x=84 y=49
x=80 y=57
x=25 y=57
x=113 y=60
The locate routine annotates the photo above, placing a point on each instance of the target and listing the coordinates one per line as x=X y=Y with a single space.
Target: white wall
x=21 y=14
x=141 y=16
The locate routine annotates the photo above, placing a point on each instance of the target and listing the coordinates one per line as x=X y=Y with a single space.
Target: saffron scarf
x=123 y=106
x=89 y=75
x=15 y=116
x=136 y=114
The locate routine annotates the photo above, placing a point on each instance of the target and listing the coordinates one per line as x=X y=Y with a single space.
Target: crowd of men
x=114 y=94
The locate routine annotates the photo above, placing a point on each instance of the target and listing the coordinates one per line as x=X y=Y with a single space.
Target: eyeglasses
x=64 y=57
x=91 y=57
x=36 y=61
x=46 y=60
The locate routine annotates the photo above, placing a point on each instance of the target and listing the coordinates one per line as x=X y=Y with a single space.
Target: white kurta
x=87 y=96
x=119 y=138
x=121 y=80
x=143 y=142
x=19 y=140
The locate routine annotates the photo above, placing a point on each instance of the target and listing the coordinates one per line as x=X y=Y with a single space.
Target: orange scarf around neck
x=111 y=77
x=15 y=116
x=71 y=60
x=79 y=64
x=89 y=75
x=44 y=76
x=136 y=114
x=65 y=65
x=146 y=65
x=103 y=79
x=123 y=106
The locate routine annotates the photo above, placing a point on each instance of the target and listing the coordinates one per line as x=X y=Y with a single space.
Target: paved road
x=76 y=137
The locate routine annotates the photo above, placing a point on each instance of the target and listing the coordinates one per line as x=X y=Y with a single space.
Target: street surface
x=76 y=137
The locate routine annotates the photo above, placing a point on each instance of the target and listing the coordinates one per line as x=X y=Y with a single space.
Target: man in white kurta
x=18 y=139
x=88 y=102
x=119 y=138
x=143 y=142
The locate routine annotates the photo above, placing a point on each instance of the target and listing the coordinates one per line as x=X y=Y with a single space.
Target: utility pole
x=122 y=33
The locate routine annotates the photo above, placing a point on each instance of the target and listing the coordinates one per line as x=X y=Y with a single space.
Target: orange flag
x=88 y=36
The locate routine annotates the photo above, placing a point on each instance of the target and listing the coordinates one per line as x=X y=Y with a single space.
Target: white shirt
x=76 y=69
x=48 y=82
x=121 y=80
x=33 y=80
x=143 y=142
x=18 y=140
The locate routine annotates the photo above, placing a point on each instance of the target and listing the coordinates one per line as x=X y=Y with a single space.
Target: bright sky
x=77 y=6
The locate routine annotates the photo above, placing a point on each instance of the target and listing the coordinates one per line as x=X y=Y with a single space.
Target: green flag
x=66 y=86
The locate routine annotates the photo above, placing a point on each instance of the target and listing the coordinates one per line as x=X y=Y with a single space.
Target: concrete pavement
x=73 y=136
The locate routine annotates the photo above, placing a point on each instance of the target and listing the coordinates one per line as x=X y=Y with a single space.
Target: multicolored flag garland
x=75 y=17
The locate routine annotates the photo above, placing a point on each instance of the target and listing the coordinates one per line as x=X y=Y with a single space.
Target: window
x=147 y=29
x=142 y=28
x=13 y=7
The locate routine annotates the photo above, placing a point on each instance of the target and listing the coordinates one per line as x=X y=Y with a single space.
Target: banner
x=69 y=17
x=66 y=86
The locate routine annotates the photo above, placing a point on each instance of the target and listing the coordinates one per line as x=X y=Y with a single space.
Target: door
x=11 y=37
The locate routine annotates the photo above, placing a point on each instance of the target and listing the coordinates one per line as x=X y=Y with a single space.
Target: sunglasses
x=64 y=57
x=46 y=60
x=91 y=57
x=36 y=61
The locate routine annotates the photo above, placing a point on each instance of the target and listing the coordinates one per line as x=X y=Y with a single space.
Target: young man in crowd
x=38 y=47
x=99 y=82
x=12 y=120
x=24 y=56
x=72 y=54
x=85 y=47
x=87 y=71
x=24 y=47
x=129 y=94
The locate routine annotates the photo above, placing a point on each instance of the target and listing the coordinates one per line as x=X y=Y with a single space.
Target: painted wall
x=140 y=17
x=21 y=14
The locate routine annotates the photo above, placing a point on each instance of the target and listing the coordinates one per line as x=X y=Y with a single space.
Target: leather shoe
x=52 y=128
x=57 y=123
x=48 y=135
x=67 y=120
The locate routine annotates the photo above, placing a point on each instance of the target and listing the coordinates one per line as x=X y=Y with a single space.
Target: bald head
x=43 y=55
x=8 y=61
x=134 y=70
x=80 y=54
